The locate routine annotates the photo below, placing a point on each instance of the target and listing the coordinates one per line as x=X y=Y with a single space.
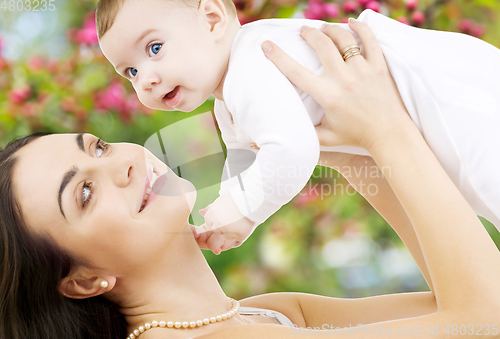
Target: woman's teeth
x=151 y=184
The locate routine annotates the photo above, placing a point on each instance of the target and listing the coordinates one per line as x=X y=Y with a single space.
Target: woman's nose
x=120 y=168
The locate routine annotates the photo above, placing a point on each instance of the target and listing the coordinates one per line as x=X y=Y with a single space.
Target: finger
x=372 y=49
x=230 y=244
x=215 y=242
x=203 y=211
x=233 y=236
x=202 y=237
x=326 y=137
x=327 y=52
x=342 y=38
x=202 y=240
x=290 y=68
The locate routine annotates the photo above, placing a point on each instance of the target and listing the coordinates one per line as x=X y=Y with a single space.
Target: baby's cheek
x=142 y=98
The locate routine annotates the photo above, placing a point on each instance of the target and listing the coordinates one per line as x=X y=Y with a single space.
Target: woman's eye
x=131 y=72
x=154 y=49
x=100 y=147
x=86 y=193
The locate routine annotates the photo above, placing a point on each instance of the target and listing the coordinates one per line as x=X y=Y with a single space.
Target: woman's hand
x=361 y=101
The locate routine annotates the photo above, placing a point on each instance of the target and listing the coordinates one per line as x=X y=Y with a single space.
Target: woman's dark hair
x=31 y=268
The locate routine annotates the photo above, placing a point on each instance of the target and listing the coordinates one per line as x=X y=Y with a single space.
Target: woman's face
x=88 y=196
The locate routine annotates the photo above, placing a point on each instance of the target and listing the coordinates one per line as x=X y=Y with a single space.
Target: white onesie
x=449 y=82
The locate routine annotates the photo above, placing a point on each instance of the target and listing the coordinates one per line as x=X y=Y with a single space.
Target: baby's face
x=167 y=51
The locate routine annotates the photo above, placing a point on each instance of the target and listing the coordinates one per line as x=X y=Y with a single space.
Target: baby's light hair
x=108 y=9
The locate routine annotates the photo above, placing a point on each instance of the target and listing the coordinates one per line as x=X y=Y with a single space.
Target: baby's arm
x=267 y=108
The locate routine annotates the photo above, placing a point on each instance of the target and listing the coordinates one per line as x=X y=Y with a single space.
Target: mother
x=82 y=257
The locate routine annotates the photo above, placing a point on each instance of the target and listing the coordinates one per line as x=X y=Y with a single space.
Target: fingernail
x=352 y=20
x=323 y=27
x=267 y=47
x=303 y=28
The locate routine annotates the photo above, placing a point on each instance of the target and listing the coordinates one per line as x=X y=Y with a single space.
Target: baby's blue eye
x=155 y=49
x=132 y=72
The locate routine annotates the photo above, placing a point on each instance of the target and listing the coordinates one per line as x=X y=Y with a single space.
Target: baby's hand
x=225 y=227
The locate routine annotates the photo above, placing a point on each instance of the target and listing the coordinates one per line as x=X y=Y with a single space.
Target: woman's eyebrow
x=69 y=174
x=79 y=141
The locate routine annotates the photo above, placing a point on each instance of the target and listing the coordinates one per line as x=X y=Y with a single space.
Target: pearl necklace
x=186 y=324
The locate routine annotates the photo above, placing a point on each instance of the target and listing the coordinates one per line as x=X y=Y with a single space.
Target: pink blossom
x=67 y=66
x=403 y=20
x=128 y=107
x=373 y=5
x=331 y=9
x=350 y=6
x=478 y=30
x=115 y=98
x=29 y=109
x=411 y=4
x=363 y=2
x=89 y=21
x=43 y=97
x=35 y=63
x=62 y=79
x=20 y=94
x=52 y=65
x=465 y=25
x=305 y=196
x=87 y=36
x=418 y=17
x=111 y=98
x=68 y=104
x=242 y=17
x=314 y=10
x=80 y=113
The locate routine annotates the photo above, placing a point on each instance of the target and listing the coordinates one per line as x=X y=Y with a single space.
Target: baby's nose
x=151 y=79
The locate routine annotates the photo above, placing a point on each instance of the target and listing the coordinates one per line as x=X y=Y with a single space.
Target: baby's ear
x=215 y=14
x=83 y=283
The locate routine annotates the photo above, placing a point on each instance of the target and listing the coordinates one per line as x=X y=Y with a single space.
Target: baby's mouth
x=172 y=93
x=173 y=97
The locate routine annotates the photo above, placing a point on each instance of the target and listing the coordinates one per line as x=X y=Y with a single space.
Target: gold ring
x=350 y=54
x=348 y=48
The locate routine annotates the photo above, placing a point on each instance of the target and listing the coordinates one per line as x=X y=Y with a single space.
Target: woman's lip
x=155 y=190
x=175 y=99
x=149 y=176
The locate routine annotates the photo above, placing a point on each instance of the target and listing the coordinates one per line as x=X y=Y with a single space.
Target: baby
x=176 y=53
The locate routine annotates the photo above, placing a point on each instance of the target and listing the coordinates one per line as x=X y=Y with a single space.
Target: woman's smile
x=135 y=195
x=150 y=182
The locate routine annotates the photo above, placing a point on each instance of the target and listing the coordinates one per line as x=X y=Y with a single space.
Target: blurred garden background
x=53 y=78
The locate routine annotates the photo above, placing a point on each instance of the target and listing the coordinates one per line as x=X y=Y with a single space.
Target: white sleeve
x=239 y=156
x=268 y=109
